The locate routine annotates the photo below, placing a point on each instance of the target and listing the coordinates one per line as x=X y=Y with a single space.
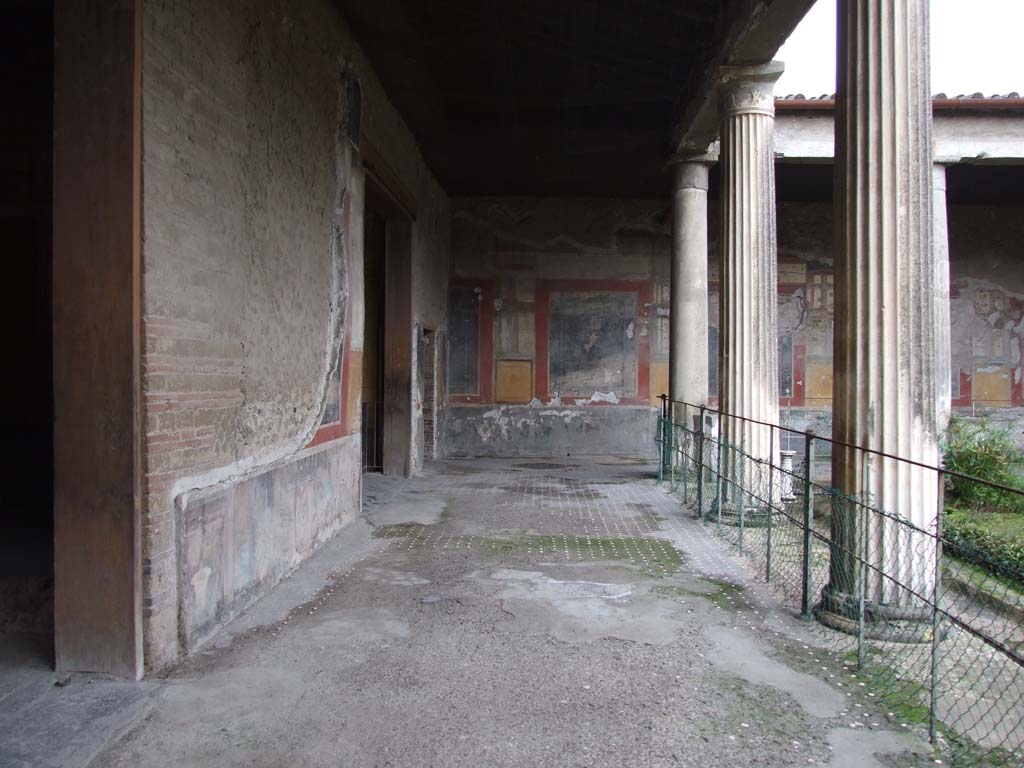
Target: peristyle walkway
x=516 y=613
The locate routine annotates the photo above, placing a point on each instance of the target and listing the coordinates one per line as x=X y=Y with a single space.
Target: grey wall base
x=236 y=542
x=541 y=431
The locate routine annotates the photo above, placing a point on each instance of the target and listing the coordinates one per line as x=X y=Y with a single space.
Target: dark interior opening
x=985 y=184
x=374 y=244
x=966 y=184
x=427 y=359
x=26 y=212
x=804 y=182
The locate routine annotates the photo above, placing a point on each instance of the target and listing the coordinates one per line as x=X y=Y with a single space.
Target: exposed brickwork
x=242 y=178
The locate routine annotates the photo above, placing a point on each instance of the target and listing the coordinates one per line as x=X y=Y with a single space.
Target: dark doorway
x=374 y=244
x=26 y=214
x=398 y=342
x=388 y=247
x=427 y=358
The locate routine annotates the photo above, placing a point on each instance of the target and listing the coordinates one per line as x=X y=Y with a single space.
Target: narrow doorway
x=26 y=215
x=427 y=361
x=374 y=244
x=387 y=244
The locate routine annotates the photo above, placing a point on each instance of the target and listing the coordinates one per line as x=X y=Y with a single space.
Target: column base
x=882 y=621
x=753 y=516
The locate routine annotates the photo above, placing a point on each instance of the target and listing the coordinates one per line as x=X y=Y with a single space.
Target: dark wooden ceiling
x=553 y=97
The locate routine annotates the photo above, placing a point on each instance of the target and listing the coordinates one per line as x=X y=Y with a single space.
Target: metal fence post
x=700 y=465
x=669 y=440
x=805 y=598
x=718 y=476
x=671 y=453
x=863 y=582
x=936 y=596
x=741 y=495
x=679 y=452
x=662 y=433
x=685 y=445
x=771 y=498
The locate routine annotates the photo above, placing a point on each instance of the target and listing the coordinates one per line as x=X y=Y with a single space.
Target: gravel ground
x=504 y=614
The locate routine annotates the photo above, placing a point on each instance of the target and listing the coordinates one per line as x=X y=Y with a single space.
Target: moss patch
x=655 y=557
x=885 y=694
x=721 y=593
x=398 y=531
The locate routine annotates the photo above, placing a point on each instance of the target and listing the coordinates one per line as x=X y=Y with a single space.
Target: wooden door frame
x=97 y=337
x=387 y=197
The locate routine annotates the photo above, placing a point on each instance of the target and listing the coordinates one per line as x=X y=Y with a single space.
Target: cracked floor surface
x=503 y=613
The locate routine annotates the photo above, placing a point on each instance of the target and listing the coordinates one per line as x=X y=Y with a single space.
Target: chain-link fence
x=934 y=624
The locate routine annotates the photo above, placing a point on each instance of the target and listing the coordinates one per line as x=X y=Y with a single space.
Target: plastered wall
x=253 y=204
x=573 y=332
x=986 y=295
x=508 y=250
x=987 y=304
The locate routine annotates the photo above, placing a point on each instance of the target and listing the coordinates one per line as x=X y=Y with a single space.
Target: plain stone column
x=688 y=329
x=748 y=299
x=943 y=339
x=885 y=387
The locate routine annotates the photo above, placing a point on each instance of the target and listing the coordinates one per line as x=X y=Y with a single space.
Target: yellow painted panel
x=992 y=387
x=819 y=382
x=659 y=381
x=514 y=381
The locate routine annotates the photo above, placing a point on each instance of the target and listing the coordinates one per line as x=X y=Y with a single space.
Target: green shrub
x=972 y=536
x=985 y=525
x=977 y=449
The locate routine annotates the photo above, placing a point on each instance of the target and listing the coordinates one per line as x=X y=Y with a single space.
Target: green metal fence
x=933 y=632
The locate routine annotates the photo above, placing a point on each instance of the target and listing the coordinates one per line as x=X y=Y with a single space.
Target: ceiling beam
x=756 y=31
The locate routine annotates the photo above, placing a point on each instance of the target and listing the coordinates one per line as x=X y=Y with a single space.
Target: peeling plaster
x=986 y=339
x=587 y=226
x=521 y=430
x=239 y=470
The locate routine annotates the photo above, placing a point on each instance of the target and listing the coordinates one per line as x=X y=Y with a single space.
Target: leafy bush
x=996 y=551
x=977 y=449
x=985 y=525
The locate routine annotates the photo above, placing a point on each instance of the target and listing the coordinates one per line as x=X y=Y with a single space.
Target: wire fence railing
x=934 y=630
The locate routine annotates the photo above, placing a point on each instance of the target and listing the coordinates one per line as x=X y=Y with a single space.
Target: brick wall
x=252 y=289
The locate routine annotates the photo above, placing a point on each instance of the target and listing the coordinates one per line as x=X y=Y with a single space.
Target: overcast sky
x=976 y=46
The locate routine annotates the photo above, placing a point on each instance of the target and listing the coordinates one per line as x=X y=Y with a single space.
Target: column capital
x=707 y=156
x=691 y=174
x=748 y=89
x=692 y=163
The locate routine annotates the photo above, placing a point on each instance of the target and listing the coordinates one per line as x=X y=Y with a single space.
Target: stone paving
x=516 y=613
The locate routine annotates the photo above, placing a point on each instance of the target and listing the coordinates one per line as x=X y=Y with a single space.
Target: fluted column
x=748 y=299
x=884 y=333
x=688 y=321
x=943 y=336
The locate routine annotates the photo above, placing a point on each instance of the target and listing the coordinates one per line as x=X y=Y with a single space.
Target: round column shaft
x=884 y=389
x=748 y=299
x=688 y=321
x=943 y=335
